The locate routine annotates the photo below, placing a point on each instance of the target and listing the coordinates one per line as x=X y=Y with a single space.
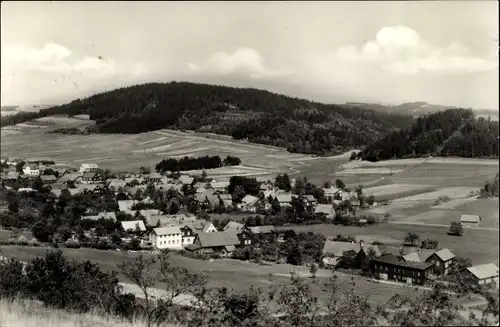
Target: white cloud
x=401 y=50
x=243 y=60
x=55 y=58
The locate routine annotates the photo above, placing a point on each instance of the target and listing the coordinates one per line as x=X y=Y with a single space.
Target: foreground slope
x=453 y=132
x=259 y=116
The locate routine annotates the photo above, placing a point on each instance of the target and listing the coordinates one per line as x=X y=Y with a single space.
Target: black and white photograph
x=249 y=163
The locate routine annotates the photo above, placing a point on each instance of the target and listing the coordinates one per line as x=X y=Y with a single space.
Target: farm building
x=222 y=243
x=285 y=199
x=31 y=169
x=91 y=178
x=153 y=177
x=326 y=210
x=134 y=225
x=484 y=274
x=88 y=168
x=188 y=235
x=470 y=220
x=166 y=238
x=233 y=226
x=442 y=260
x=218 y=186
x=248 y=203
x=48 y=179
x=333 y=192
x=391 y=267
x=310 y=200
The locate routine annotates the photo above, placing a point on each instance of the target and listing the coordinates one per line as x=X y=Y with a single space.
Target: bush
x=72 y=244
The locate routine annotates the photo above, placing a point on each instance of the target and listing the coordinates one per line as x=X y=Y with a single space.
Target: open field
x=396 y=190
x=486 y=208
x=6 y=234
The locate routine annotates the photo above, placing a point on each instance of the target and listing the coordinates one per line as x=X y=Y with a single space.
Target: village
x=203 y=218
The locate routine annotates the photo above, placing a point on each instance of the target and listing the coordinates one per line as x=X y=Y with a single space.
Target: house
x=223 y=243
x=333 y=252
x=72 y=177
x=91 y=178
x=391 y=267
x=310 y=200
x=62 y=171
x=201 y=226
x=188 y=235
x=470 y=220
x=443 y=260
x=248 y=203
x=82 y=189
x=285 y=199
x=10 y=176
x=115 y=184
x=102 y=215
x=134 y=225
x=31 y=169
x=186 y=180
x=26 y=190
x=484 y=274
x=220 y=187
x=333 y=193
x=263 y=230
x=153 y=177
x=49 y=179
x=233 y=226
x=146 y=213
x=166 y=238
x=420 y=255
x=325 y=210
x=126 y=205
x=88 y=168
x=267 y=186
x=352 y=197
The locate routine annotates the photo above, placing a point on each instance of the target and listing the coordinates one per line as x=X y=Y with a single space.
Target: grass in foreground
x=18 y=313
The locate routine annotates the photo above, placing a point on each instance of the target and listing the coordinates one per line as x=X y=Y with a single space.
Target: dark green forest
x=261 y=117
x=453 y=132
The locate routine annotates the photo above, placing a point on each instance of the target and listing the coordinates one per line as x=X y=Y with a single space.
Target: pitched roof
x=221 y=184
x=445 y=254
x=249 y=199
x=262 y=229
x=131 y=225
x=331 y=190
x=470 y=218
x=89 y=166
x=106 y=215
x=310 y=197
x=48 y=178
x=115 y=182
x=32 y=166
x=184 y=179
x=233 y=226
x=167 y=230
x=284 y=197
x=218 y=239
x=89 y=174
x=395 y=260
x=69 y=177
x=420 y=255
x=484 y=271
x=125 y=205
x=153 y=175
x=323 y=208
x=338 y=248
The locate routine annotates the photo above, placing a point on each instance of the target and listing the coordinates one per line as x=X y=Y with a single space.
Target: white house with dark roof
x=485 y=274
x=166 y=238
x=470 y=220
x=31 y=169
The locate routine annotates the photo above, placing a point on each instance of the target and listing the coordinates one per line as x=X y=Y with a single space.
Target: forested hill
x=259 y=116
x=453 y=132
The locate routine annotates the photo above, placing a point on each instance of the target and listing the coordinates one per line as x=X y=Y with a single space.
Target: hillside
x=261 y=117
x=453 y=132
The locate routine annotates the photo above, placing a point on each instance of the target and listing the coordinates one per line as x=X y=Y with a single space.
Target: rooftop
x=484 y=271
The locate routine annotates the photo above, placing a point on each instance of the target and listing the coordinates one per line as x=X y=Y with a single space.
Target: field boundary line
x=492 y=229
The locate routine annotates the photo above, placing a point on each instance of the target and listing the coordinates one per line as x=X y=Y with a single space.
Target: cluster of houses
x=405 y=264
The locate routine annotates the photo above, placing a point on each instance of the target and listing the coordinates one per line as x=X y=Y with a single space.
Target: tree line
x=453 y=132
x=190 y=163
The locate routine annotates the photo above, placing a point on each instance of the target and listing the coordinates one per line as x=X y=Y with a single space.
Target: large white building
x=84 y=168
x=31 y=170
x=166 y=238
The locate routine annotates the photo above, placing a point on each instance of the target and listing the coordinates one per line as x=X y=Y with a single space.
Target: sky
x=442 y=52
